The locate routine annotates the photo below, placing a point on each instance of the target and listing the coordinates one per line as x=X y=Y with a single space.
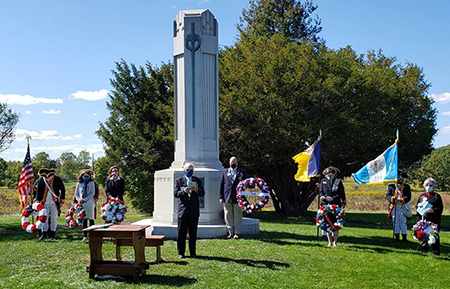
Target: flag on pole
x=383 y=168
x=26 y=176
x=308 y=162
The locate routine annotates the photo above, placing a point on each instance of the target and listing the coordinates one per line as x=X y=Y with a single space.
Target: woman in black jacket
x=115 y=185
x=433 y=212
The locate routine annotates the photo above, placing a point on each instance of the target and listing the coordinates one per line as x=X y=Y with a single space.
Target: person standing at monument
x=115 y=185
x=232 y=212
x=399 y=196
x=50 y=192
x=332 y=192
x=85 y=196
x=431 y=206
x=187 y=190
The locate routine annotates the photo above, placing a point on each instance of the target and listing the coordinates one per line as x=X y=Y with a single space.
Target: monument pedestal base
x=250 y=227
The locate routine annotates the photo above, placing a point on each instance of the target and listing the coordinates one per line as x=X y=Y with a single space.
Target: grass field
x=286 y=254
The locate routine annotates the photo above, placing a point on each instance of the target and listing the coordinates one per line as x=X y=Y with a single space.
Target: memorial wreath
x=36 y=209
x=425 y=232
x=241 y=194
x=113 y=211
x=330 y=218
x=70 y=221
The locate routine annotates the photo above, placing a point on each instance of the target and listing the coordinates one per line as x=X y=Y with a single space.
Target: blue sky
x=56 y=56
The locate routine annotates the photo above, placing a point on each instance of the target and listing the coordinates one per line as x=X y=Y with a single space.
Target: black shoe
x=194 y=256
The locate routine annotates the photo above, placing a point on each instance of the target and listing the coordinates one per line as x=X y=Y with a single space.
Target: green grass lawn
x=286 y=254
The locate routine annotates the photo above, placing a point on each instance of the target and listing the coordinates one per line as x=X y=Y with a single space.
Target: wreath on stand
x=330 y=218
x=70 y=221
x=113 y=211
x=425 y=232
x=251 y=183
x=36 y=209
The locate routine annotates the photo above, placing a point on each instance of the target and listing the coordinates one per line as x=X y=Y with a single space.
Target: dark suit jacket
x=325 y=190
x=188 y=206
x=392 y=190
x=115 y=189
x=228 y=186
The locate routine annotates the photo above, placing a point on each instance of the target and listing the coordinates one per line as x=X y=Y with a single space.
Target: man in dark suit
x=187 y=190
x=232 y=212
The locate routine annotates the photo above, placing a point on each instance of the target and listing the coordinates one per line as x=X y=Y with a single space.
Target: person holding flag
x=332 y=192
x=399 y=195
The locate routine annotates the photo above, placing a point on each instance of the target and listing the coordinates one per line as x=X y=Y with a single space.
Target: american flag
x=26 y=176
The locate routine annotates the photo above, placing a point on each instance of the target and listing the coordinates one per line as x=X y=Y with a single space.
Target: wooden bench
x=150 y=241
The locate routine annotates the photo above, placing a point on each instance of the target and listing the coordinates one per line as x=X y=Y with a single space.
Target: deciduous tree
x=8 y=120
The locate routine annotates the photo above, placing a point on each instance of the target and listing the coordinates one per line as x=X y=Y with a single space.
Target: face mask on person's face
x=429 y=188
x=85 y=179
x=233 y=166
x=188 y=173
x=330 y=178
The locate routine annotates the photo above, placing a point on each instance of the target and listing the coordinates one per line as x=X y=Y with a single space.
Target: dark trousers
x=186 y=225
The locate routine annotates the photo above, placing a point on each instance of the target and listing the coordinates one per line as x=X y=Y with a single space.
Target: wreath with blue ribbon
x=330 y=218
x=252 y=183
x=70 y=221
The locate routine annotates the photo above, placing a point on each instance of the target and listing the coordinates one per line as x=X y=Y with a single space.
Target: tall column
x=195 y=43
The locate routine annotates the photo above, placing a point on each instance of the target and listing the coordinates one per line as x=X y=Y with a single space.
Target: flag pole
x=30 y=193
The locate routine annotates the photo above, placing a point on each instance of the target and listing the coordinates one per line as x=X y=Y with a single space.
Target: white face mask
x=429 y=188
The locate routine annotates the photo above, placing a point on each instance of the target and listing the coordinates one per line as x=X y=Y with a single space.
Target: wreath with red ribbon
x=113 y=211
x=70 y=221
x=252 y=183
x=330 y=218
x=36 y=209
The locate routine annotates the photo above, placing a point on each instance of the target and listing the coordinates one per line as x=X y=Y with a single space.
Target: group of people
x=399 y=196
x=331 y=191
x=50 y=191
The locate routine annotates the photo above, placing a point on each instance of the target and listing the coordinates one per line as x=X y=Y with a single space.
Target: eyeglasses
x=189 y=170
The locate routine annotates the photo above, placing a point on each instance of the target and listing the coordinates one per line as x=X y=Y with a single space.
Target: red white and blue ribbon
x=324 y=222
x=263 y=194
x=70 y=221
x=36 y=209
x=113 y=211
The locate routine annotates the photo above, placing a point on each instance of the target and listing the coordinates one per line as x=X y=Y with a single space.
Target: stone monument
x=195 y=43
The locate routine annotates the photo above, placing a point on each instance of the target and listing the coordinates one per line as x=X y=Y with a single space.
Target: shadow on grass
x=151 y=279
x=272 y=265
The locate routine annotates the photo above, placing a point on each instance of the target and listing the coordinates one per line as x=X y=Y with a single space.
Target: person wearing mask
x=115 y=185
x=332 y=192
x=398 y=196
x=50 y=192
x=188 y=189
x=227 y=196
x=84 y=195
x=432 y=201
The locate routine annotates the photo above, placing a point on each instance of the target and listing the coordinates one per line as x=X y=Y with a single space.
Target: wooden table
x=134 y=234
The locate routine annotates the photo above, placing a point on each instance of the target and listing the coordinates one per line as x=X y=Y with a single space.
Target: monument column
x=195 y=39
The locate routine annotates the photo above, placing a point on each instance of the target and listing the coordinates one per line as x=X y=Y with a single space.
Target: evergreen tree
x=138 y=135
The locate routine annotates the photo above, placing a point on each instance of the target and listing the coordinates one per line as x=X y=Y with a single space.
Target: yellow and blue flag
x=308 y=162
x=383 y=168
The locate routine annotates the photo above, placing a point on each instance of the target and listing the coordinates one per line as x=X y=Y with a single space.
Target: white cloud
x=445 y=130
x=21 y=134
x=28 y=111
x=90 y=95
x=441 y=98
x=51 y=111
x=26 y=99
x=446 y=113
x=95 y=114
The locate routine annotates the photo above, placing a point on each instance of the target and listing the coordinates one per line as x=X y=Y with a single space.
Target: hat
x=46 y=172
